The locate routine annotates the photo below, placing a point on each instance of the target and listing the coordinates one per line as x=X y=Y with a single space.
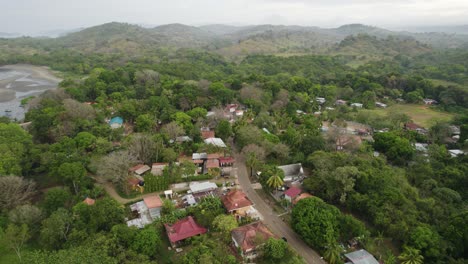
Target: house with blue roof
x=116 y=122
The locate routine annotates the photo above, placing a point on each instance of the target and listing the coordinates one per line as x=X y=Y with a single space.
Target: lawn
x=420 y=114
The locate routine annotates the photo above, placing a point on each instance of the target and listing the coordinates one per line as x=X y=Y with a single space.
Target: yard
x=420 y=114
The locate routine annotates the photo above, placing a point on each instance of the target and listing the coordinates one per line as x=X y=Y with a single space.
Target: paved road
x=272 y=220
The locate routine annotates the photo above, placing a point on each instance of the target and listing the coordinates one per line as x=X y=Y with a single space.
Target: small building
x=183 y=229
x=207 y=134
x=183 y=139
x=236 y=202
x=215 y=141
x=292 y=193
x=381 y=105
x=320 y=100
x=248 y=237
x=226 y=161
x=189 y=200
x=456 y=152
x=202 y=187
x=212 y=164
x=340 y=102
x=116 y=122
x=158 y=168
x=300 y=197
x=360 y=257
x=415 y=127
x=154 y=205
x=357 y=105
x=292 y=172
x=139 y=169
x=421 y=147
x=89 y=201
x=428 y=101
x=199 y=156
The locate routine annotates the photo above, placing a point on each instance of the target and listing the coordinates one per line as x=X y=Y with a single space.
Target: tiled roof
x=89 y=201
x=235 y=199
x=212 y=163
x=153 y=201
x=293 y=192
x=183 y=229
x=247 y=236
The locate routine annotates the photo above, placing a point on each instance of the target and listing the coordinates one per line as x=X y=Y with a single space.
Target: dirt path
x=272 y=220
x=110 y=189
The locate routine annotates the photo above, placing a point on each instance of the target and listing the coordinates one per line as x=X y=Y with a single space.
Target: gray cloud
x=33 y=16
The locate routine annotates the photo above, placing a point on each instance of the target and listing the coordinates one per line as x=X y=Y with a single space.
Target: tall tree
x=254 y=155
x=15 y=191
x=14 y=237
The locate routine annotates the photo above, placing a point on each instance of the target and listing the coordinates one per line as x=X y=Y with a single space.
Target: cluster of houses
x=235 y=202
x=231 y=112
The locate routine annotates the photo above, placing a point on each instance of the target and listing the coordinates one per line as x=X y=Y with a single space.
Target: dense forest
x=400 y=203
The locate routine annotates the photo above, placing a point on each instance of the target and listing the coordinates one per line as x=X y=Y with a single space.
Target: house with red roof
x=291 y=193
x=236 y=202
x=183 y=229
x=89 y=201
x=249 y=237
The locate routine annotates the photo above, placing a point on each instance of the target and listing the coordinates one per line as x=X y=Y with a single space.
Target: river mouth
x=21 y=81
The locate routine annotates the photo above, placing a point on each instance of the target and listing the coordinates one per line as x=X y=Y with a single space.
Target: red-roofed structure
x=89 y=201
x=235 y=200
x=212 y=163
x=247 y=237
x=291 y=193
x=207 y=134
x=226 y=161
x=153 y=201
x=183 y=229
x=214 y=156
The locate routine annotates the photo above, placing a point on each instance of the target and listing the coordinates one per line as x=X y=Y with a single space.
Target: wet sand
x=21 y=81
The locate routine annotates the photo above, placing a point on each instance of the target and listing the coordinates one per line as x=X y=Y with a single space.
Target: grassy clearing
x=270 y=201
x=438 y=82
x=420 y=114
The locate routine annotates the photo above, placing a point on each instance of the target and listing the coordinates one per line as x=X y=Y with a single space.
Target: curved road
x=272 y=220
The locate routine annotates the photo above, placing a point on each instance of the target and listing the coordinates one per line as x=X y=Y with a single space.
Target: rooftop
x=197 y=156
x=293 y=192
x=197 y=187
x=212 y=163
x=361 y=257
x=89 y=201
x=236 y=199
x=140 y=169
x=247 y=236
x=215 y=141
x=153 y=201
x=183 y=229
x=116 y=120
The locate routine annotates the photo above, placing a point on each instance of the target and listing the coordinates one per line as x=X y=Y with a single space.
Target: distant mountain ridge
x=235 y=41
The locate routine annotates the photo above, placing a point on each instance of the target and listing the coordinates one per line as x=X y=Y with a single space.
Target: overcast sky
x=34 y=16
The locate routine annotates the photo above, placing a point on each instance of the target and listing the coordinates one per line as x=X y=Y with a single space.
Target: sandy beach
x=21 y=81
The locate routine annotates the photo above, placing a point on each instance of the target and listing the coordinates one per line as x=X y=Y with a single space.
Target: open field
x=420 y=114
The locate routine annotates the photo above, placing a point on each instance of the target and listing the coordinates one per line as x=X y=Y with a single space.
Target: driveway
x=272 y=220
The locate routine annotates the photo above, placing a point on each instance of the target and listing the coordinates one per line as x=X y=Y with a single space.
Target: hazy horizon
x=29 y=17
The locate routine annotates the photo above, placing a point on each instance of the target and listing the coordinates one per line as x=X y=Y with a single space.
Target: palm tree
x=411 y=256
x=275 y=181
x=332 y=253
x=251 y=161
